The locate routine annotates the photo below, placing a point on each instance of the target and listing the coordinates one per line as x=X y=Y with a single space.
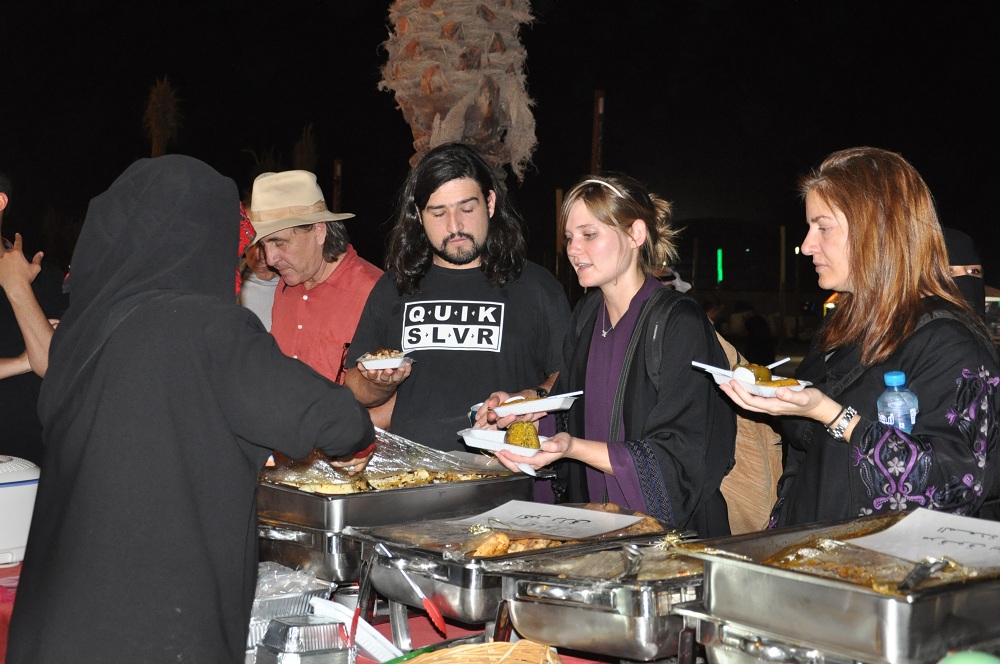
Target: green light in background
x=718 y=266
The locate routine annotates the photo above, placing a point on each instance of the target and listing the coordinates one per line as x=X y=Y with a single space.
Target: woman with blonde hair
x=875 y=239
x=651 y=434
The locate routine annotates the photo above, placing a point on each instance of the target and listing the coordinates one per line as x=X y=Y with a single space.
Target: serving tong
x=922 y=571
x=633 y=553
x=633 y=561
x=435 y=614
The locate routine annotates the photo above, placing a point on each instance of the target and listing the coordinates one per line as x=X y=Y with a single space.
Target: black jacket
x=680 y=424
x=949 y=461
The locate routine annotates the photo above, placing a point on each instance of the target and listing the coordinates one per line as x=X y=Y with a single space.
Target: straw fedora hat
x=286 y=199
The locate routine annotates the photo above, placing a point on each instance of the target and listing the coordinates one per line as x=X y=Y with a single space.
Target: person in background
x=460 y=297
x=324 y=283
x=246 y=239
x=760 y=344
x=143 y=542
x=674 y=442
x=874 y=237
x=716 y=312
x=31 y=301
x=966 y=268
x=257 y=285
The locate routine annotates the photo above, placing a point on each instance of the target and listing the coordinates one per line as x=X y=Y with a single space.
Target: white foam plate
x=492 y=439
x=387 y=363
x=522 y=406
x=368 y=638
x=725 y=375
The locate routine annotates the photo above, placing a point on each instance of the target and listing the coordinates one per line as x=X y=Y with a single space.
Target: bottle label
x=899 y=420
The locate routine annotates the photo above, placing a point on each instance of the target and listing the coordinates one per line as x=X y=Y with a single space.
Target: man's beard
x=462 y=257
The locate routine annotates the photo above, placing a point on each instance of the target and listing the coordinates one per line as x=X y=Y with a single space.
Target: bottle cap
x=894 y=379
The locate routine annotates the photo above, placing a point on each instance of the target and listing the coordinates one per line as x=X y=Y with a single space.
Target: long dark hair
x=409 y=255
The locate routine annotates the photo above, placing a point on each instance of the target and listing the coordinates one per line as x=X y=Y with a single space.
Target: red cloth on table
x=6 y=605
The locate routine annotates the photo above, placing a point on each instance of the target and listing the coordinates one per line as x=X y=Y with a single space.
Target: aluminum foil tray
x=855 y=621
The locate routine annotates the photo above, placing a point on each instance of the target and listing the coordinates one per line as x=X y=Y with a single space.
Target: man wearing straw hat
x=326 y=283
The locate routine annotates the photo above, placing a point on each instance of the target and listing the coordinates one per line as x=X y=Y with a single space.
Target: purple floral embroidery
x=895 y=468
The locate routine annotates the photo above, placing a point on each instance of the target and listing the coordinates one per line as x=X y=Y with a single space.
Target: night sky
x=718 y=105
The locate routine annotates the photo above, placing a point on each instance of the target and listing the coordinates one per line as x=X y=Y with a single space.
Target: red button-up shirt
x=316 y=325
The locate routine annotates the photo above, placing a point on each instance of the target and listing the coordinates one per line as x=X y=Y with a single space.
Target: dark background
x=717 y=104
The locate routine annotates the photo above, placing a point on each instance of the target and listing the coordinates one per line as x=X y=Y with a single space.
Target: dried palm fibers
x=456 y=68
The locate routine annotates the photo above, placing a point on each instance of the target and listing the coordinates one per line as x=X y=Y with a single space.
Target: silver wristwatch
x=837 y=432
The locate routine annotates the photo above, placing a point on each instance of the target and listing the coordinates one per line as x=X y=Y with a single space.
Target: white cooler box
x=18 y=485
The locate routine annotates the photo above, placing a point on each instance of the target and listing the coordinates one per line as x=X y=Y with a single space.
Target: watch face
x=541 y=392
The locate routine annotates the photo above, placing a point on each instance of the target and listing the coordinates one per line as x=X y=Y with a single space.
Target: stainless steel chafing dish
x=303 y=530
x=848 y=621
x=611 y=599
x=727 y=642
x=460 y=589
x=465 y=588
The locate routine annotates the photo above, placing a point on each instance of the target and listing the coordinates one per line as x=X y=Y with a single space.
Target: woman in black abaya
x=143 y=541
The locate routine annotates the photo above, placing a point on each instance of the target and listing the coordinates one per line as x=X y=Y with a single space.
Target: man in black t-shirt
x=30 y=295
x=459 y=298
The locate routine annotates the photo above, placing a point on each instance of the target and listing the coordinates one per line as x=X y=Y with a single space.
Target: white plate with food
x=492 y=439
x=383 y=359
x=753 y=384
x=522 y=406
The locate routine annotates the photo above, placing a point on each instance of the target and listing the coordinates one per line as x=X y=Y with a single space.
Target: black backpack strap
x=654 y=313
x=588 y=305
x=656 y=327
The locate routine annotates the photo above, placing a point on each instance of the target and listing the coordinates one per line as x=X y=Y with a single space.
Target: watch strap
x=837 y=432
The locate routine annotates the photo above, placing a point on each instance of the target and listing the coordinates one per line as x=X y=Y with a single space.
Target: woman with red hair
x=875 y=239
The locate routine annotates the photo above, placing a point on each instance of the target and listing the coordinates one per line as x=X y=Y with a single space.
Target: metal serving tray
x=326 y=554
x=286 y=504
x=726 y=642
x=302 y=530
x=460 y=589
x=730 y=643
x=621 y=617
x=469 y=590
x=853 y=621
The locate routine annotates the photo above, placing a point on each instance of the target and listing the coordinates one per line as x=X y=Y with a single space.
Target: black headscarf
x=962 y=251
x=166 y=226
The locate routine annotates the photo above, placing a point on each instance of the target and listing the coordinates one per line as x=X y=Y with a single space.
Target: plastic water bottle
x=897 y=406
